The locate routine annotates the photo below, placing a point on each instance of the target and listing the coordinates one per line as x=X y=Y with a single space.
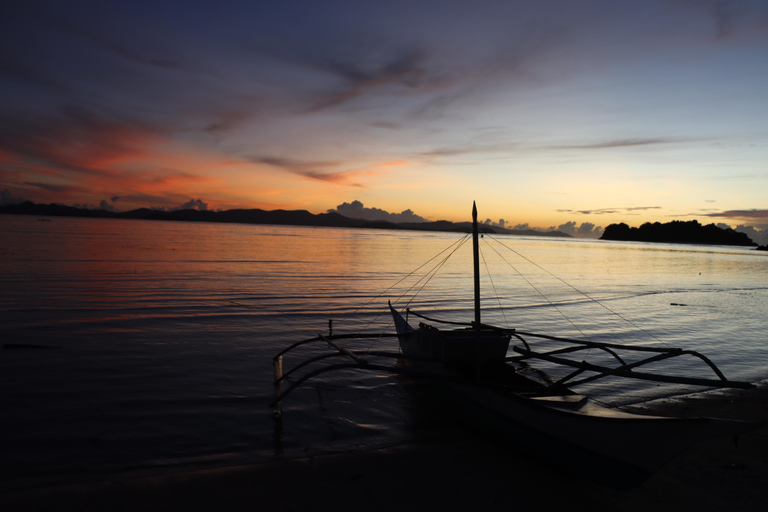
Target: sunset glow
x=545 y=113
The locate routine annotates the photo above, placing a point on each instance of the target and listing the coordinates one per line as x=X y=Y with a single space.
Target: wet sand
x=455 y=469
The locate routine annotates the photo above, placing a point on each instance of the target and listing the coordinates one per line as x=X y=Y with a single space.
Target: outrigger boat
x=470 y=366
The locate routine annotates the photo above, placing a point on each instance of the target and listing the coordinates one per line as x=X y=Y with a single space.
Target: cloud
x=318 y=170
x=741 y=214
x=731 y=18
x=6 y=197
x=194 y=204
x=77 y=140
x=387 y=125
x=329 y=170
x=356 y=210
x=499 y=224
x=569 y=228
x=755 y=217
x=509 y=146
x=405 y=69
x=30 y=75
x=585 y=230
x=82 y=156
x=472 y=148
x=629 y=210
x=104 y=205
x=759 y=236
x=622 y=143
x=86 y=102
x=49 y=187
x=121 y=50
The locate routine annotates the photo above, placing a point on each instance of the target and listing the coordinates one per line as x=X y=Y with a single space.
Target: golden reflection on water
x=160 y=322
x=122 y=269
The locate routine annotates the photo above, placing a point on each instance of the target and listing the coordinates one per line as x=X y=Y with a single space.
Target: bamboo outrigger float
x=470 y=365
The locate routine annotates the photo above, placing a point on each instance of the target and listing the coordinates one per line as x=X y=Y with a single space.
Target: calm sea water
x=163 y=333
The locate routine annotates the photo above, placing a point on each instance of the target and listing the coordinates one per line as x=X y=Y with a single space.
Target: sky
x=548 y=113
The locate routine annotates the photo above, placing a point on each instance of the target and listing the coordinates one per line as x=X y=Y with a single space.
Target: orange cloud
x=86 y=160
x=93 y=160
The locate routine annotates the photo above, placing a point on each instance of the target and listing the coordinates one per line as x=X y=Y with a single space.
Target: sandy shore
x=456 y=469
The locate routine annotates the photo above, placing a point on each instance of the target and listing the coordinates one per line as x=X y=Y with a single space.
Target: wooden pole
x=344 y=351
x=476 y=261
x=277 y=410
x=476 y=269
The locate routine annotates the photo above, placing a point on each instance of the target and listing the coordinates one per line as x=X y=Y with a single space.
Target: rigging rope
x=459 y=242
x=533 y=285
x=426 y=278
x=430 y=274
x=433 y=272
x=493 y=285
x=449 y=251
x=573 y=288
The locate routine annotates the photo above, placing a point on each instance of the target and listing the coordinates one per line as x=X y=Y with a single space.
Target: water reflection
x=167 y=329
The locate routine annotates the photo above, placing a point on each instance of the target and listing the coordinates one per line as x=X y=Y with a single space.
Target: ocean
x=159 y=336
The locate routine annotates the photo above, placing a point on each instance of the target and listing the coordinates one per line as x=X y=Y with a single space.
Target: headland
x=677 y=232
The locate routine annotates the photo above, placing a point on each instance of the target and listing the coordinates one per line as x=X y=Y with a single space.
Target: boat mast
x=476 y=260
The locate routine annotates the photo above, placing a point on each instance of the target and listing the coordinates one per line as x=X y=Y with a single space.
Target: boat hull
x=466 y=351
x=616 y=448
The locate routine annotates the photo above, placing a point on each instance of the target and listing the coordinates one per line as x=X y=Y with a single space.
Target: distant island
x=679 y=232
x=257 y=216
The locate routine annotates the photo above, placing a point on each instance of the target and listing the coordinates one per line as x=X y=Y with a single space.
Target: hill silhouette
x=681 y=232
x=257 y=216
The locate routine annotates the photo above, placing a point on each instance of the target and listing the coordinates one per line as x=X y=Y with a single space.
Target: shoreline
x=455 y=468
x=256 y=216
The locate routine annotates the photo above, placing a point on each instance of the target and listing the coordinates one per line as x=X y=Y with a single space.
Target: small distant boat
x=469 y=364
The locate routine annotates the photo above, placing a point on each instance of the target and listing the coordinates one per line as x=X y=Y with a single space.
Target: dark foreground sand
x=455 y=470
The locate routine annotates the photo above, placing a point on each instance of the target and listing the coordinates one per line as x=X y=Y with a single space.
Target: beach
x=455 y=468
